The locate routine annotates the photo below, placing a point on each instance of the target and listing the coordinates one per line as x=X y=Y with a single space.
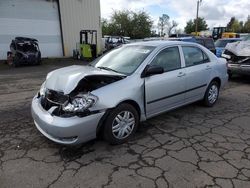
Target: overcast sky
x=216 y=12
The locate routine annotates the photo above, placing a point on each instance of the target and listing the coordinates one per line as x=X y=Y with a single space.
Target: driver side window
x=169 y=59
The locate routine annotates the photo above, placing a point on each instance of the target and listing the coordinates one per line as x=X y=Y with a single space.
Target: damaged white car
x=124 y=87
x=237 y=55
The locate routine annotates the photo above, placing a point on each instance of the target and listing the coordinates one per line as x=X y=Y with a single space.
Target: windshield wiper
x=107 y=68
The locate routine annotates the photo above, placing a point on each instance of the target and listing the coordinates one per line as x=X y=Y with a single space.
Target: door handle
x=181 y=74
x=208 y=67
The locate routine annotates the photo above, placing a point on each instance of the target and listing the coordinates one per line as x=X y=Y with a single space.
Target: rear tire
x=121 y=124
x=212 y=94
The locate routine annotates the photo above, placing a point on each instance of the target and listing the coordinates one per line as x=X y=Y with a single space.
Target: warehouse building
x=54 y=23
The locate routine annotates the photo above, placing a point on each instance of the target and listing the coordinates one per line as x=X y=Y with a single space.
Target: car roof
x=160 y=43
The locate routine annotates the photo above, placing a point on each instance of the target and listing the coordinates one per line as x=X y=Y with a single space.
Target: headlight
x=80 y=103
x=42 y=89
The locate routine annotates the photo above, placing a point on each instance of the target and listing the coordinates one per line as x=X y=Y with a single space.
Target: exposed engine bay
x=93 y=82
x=60 y=104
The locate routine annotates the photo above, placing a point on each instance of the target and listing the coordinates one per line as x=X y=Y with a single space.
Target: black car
x=204 y=41
x=24 y=51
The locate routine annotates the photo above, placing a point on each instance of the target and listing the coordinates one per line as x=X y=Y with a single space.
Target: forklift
x=86 y=49
x=222 y=32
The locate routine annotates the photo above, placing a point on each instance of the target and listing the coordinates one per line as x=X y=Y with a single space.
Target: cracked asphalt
x=193 y=146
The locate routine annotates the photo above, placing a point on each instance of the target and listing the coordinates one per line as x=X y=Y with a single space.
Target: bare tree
x=171 y=26
x=163 y=23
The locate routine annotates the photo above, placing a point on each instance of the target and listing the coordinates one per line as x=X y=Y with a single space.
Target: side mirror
x=152 y=70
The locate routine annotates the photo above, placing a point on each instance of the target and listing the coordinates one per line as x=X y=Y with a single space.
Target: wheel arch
x=100 y=126
x=216 y=79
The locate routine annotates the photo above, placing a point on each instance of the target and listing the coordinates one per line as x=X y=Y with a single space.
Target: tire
x=118 y=133
x=212 y=94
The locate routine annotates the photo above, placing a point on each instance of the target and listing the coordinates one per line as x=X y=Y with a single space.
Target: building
x=54 y=23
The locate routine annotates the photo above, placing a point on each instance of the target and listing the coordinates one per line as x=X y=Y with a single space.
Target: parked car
x=220 y=44
x=24 y=51
x=204 y=41
x=237 y=55
x=128 y=85
x=114 y=41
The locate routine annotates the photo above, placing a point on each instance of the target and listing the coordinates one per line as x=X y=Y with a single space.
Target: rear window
x=194 y=56
x=200 y=41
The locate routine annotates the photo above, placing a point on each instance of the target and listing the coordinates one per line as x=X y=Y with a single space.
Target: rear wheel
x=212 y=94
x=121 y=124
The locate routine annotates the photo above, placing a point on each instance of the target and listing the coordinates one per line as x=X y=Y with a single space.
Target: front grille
x=234 y=58
x=53 y=98
x=228 y=52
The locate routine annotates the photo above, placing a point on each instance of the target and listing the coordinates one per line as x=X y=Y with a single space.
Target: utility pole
x=197 y=15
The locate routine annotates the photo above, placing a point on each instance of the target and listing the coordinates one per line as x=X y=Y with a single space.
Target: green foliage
x=234 y=25
x=246 y=28
x=190 y=27
x=237 y=26
x=128 y=23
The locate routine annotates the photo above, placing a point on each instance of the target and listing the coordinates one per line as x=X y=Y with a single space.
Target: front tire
x=212 y=94
x=121 y=124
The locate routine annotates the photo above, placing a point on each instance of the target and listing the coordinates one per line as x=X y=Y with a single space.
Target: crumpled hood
x=241 y=48
x=66 y=79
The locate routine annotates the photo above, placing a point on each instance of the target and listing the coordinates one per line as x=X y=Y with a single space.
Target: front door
x=165 y=91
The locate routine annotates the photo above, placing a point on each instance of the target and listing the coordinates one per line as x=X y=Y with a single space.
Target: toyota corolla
x=128 y=85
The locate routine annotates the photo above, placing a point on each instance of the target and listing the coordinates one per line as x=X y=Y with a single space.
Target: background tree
x=163 y=23
x=171 y=27
x=128 y=23
x=246 y=28
x=234 y=25
x=190 y=26
x=141 y=25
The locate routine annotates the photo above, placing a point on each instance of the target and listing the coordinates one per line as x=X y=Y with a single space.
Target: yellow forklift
x=222 y=32
x=86 y=49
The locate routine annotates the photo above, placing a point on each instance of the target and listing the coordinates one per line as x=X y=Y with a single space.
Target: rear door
x=165 y=91
x=198 y=72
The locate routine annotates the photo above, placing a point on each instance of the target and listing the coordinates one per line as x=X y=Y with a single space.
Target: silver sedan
x=128 y=85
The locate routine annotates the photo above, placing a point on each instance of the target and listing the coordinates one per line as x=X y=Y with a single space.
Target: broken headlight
x=80 y=103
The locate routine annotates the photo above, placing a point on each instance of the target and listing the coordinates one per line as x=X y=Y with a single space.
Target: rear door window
x=194 y=56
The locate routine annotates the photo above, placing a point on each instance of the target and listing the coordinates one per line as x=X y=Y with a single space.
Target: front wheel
x=121 y=124
x=212 y=94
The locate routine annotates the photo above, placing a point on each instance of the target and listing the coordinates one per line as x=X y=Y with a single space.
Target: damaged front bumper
x=237 y=64
x=64 y=130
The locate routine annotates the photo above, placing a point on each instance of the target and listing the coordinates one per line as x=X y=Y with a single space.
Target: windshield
x=223 y=43
x=124 y=59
